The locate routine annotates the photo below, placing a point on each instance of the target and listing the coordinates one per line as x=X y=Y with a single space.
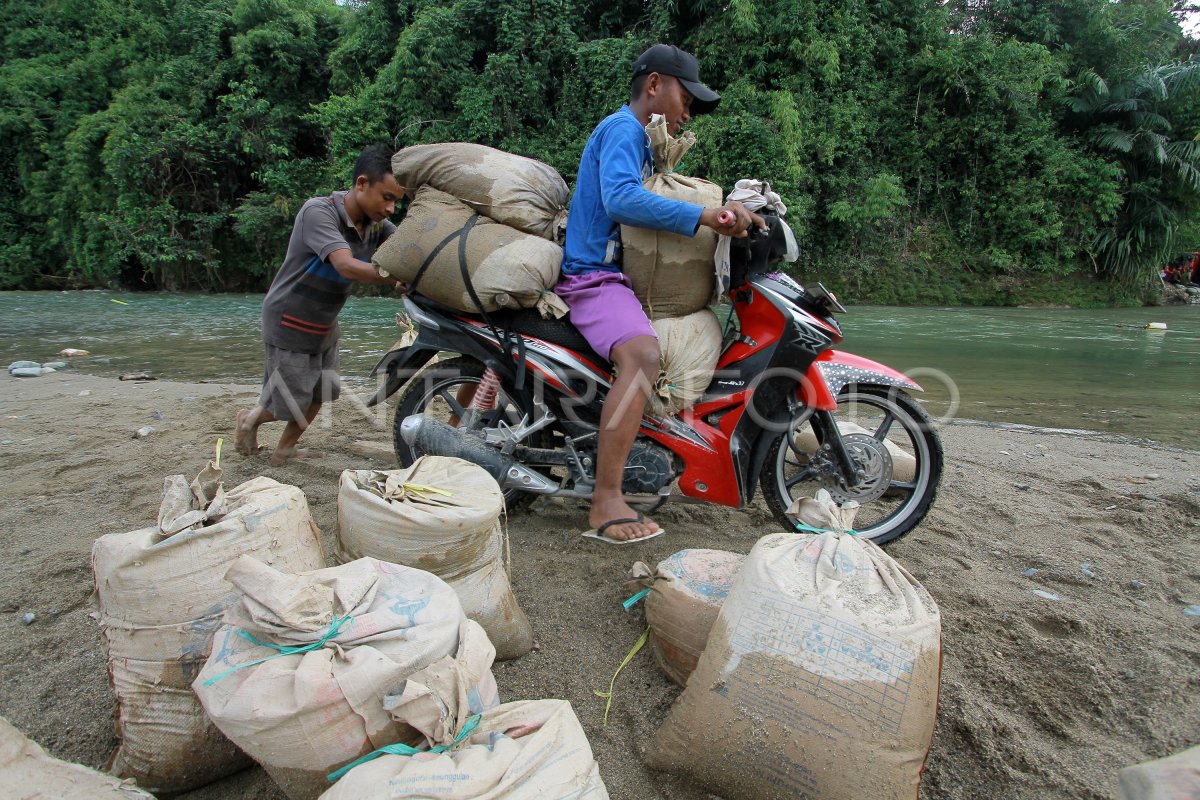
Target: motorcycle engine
x=648 y=469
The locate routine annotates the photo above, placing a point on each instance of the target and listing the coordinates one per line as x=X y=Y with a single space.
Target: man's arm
x=352 y=269
x=324 y=237
x=628 y=202
x=624 y=197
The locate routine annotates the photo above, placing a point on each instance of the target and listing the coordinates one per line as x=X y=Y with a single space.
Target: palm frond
x=1184 y=77
x=1150 y=120
x=1119 y=141
x=1188 y=174
x=1119 y=106
x=1185 y=150
x=1093 y=82
x=1151 y=83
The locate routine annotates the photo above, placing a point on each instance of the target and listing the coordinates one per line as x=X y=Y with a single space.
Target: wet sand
x=1040 y=699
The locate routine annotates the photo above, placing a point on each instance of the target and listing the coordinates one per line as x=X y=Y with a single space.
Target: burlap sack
x=28 y=773
x=690 y=347
x=527 y=750
x=506 y=268
x=441 y=515
x=162 y=592
x=672 y=275
x=520 y=192
x=686 y=593
x=1175 y=777
x=904 y=463
x=361 y=629
x=819 y=680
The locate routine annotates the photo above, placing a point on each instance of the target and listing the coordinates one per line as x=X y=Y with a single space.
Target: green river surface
x=1094 y=370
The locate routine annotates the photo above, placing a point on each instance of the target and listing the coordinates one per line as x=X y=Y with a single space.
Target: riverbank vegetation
x=972 y=151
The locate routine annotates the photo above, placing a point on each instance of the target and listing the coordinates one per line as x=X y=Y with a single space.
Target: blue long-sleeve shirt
x=609 y=193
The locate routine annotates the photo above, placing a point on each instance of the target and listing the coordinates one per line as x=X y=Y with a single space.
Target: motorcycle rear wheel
x=434 y=392
x=893 y=502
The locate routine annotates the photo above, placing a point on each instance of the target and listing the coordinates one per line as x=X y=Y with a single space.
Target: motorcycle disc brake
x=872 y=459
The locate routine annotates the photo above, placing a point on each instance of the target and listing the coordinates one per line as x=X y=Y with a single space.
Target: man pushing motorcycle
x=609 y=192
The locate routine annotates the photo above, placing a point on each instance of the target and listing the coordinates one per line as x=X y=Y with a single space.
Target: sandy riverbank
x=1040 y=699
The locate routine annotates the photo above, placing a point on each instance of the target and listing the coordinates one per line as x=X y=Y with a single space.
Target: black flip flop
x=597 y=533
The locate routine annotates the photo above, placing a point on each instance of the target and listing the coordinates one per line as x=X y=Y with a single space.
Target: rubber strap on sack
x=284 y=650
x=800 y=526
x=508 y=338
x=412 y=285
x=400 y=749
x=461 y=234
x=628 y=604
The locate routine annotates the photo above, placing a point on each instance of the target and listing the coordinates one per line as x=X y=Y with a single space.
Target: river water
x=1096 y=370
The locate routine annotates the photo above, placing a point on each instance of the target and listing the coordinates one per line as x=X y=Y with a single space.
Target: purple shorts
x=604 y=309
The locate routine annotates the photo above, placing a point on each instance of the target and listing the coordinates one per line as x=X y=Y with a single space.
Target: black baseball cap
x=667 y=59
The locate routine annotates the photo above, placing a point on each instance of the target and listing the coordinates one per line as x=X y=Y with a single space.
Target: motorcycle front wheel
x=894 y=446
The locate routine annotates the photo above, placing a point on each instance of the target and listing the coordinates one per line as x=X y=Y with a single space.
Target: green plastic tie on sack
x=800 y=526
x=628 y=604
x=400 y=749
x=284 y=650
x=641 y=642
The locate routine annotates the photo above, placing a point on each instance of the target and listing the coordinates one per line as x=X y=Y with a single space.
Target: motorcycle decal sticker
x=840 y=375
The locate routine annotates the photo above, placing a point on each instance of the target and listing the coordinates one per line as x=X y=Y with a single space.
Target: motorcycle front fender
x=399 y=366
x=835 y=369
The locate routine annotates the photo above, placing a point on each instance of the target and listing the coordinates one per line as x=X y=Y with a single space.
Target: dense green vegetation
x=971 y=151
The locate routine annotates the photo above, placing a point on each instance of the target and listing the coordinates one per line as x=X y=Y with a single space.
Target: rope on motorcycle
x=508 y=339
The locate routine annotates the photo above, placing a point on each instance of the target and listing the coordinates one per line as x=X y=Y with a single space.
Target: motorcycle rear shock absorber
x=485 y=393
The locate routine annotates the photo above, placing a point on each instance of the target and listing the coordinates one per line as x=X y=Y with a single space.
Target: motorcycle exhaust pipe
x=436 y=438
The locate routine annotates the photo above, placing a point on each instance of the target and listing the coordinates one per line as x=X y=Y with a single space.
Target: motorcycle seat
x=528 y=322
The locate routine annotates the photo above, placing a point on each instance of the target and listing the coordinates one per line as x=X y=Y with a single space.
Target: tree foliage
x=971 y=147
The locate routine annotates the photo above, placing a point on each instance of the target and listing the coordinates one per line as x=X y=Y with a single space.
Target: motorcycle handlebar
x=727 y=217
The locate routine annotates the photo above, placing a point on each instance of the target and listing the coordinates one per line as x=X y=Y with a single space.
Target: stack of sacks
x=674 y=278
x=162 y=592
x=27 y=772
x=819 y=679
x=519 y=192
x=526 y=750
x=482 y=221
x=441 y=515
x=686 y=593
x=299 y=673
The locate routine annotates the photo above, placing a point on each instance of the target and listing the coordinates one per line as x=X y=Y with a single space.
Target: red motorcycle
x=522 y=398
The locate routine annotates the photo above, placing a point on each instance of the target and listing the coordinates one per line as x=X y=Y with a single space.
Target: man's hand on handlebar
x=731 y=219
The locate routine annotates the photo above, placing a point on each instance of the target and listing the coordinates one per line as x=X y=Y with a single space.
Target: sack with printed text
x=527 y=750
x=299 y=672
x=162 y=592
x=819 y=679
x=686 y=591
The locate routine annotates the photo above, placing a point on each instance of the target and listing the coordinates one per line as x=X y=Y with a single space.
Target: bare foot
x=287 y=454
x=616 y=508
x=246 y=437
